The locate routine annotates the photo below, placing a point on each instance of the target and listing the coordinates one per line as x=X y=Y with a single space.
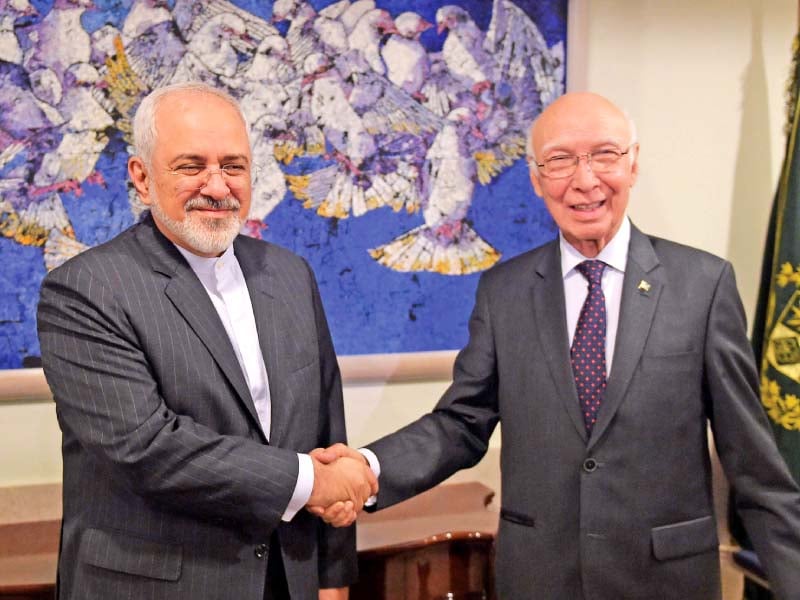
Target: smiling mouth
x=205 y=206
x=588 y=207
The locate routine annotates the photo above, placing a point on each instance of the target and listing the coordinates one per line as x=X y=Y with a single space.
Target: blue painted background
x=370 y=308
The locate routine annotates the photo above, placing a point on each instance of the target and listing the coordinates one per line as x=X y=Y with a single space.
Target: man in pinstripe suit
x=193 y=372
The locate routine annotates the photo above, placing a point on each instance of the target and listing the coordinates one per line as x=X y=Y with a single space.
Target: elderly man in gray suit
x=604 y=353
x=193 y=373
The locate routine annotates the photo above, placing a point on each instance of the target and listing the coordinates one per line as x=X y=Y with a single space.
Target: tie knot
x=592 y=270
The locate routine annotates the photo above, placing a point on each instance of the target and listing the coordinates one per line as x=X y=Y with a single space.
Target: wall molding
x=25 y=386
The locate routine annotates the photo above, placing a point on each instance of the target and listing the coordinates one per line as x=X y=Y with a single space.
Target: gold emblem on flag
x=783 y=349
x=782 y=353
x=783 y=409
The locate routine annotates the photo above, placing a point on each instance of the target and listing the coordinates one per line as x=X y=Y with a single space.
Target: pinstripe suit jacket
x=170 y=487
x=627 y=513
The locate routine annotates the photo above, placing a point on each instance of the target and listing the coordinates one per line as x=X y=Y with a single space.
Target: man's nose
x=584 y=177
x=215 y=186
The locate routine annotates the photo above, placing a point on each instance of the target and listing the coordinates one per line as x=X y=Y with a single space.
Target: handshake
x=343 y=482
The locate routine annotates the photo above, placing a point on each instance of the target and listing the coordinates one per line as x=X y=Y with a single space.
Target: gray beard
x=199 y=234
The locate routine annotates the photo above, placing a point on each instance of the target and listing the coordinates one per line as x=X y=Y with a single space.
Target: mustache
x=203 y=202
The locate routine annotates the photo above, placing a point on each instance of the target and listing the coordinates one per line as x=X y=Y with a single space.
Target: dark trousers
x=276 y=587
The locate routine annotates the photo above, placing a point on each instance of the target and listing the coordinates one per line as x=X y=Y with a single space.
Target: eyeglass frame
x=531 y=160
x=205 y=173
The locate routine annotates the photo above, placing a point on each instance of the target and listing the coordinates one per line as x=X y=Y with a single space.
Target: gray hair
x=531 y=155
x=144 y=122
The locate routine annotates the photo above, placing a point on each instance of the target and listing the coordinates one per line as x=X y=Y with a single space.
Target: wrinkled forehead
x=580 y=127
x=197 y=103
x=182 y=116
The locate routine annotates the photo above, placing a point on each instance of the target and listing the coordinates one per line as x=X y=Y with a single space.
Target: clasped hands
x=343 y=481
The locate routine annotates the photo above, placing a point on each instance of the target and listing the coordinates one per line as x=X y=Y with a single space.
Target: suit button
x=589 y=465
x=261 y=551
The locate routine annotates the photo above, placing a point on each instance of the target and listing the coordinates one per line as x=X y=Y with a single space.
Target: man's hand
x=331 y=453
x=343 y=481
x=334 y=594
x=339 y=514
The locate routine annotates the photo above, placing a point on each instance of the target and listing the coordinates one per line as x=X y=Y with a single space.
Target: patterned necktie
x=588 y=352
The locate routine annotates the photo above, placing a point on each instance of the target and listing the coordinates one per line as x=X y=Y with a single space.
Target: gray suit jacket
x=170 y=487
x=628 y=512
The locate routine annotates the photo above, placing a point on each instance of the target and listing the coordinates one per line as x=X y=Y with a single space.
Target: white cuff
x=302 y=489
x=375 y=465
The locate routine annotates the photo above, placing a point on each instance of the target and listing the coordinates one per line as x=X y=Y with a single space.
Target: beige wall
x=703 y=79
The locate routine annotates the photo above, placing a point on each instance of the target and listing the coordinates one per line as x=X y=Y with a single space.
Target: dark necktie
x=588 y=352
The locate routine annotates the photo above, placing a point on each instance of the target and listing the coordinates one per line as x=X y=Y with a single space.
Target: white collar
x=615 y=254
x=204 y=265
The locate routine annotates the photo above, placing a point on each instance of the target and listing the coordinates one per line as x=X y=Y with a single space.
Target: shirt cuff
x=375 y=465
x=302 y=489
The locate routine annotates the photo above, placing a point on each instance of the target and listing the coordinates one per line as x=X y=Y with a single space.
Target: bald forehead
x=183 y=100
x=579 y=118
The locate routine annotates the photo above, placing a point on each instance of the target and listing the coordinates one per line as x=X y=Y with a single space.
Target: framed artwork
x=388 y=138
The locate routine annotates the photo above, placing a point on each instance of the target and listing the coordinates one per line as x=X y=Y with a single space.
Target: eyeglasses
x=565 y=165
x=194 y=176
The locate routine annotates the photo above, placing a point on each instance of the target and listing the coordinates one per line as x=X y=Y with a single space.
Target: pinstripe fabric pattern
x=169 y=485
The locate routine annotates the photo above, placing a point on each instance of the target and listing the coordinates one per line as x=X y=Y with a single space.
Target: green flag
x=776 y=326
x=776 y=332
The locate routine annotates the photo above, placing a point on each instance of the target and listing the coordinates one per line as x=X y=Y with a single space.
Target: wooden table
x=439 y=543
x=28 y=557
x=436 y=546
x=30 y=523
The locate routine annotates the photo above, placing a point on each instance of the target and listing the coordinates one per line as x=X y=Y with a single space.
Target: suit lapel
x=551 y=321
x=271 y=322
x=191 y=300
x=636 y=311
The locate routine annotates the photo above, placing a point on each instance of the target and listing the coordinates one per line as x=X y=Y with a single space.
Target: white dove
x=406 y=59
x=347 y=13
x=524 y=59
x=47 y=88
x=353 y=13
x=155 y=69
x=59 y=40
x=463 y=50
x=143 y=15
x=10 y=50
x=506 y=77
x=378 y=133
x=35 y=220
x=445 y=244
x=302 y=39
x=330 y=106
x=84 y=138
x=366 y=37
x=331 y=33
x=211 y=52
x=191 y=15
x=60 y=247
x=265 y=87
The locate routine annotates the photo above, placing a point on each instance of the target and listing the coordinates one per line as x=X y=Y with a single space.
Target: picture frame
x=29 y=385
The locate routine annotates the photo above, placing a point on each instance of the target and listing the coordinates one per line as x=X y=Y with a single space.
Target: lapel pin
x=643 y=287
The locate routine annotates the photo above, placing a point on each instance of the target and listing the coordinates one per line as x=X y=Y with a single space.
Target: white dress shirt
x=225 y=285
x=576 y=287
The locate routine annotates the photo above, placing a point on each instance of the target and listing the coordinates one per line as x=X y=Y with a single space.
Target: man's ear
x=536 y=181
x=140 y=178
x=634 y=163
